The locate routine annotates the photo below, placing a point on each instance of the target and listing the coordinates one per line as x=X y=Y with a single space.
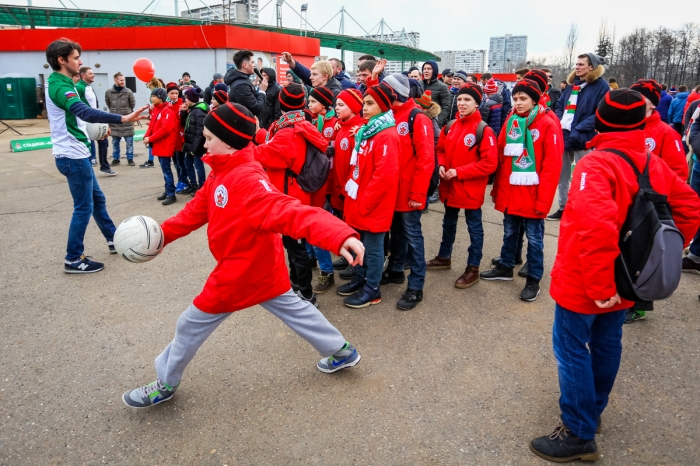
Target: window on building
x=131 y=83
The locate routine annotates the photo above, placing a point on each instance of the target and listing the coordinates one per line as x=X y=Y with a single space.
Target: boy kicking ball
x=244 y=238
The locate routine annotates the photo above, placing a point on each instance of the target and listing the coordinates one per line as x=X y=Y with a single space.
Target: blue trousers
x=476 y=234
x=407 y=243
x=167 y=175
x=373 y=265
x=534 y=230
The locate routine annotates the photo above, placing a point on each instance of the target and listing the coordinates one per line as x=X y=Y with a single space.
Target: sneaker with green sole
x=633 y=316
x=347 y=356
x=149 y=395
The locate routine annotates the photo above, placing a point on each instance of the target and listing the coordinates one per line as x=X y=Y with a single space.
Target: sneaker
x=147 y=164
x=434 y=198
x=633 y=316
x=523 y=271
x=169 y=200
x=83 y=265
x=562 y=446
x=130 y=162
x=364 y=297
x=689 y=265
x=497 y=273
x=149 y=395
x=180 y=186
x=108 y=172
x=340 y=264
x=348 y=274
x=312 y=300
x=347 y=356
x=112 y=249
x=531 y=290
x=409 y=300
x=115 y=162
x=439 y=263
x=162 y=197
x=389 y=276
x=556 y=216
x=468 y=278
x=351 y=287
x=185 y=189
x=325 y=282
x=497 y=260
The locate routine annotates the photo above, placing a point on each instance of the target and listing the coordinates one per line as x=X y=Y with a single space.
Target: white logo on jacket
x=328 y=132
x=344 y=144
x=402 y=129
x=583 y=180
x=221 y=196
x=469 y=140
x=265 y=185
x=651 y=144
x=535 y=133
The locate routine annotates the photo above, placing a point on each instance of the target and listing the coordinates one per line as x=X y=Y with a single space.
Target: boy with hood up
x=271 y=108
x=439 y=90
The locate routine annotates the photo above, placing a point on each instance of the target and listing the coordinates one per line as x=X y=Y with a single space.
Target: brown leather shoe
x=438 y=263
x=468 y=278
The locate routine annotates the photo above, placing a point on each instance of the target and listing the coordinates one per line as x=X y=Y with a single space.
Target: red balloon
x=144 y=69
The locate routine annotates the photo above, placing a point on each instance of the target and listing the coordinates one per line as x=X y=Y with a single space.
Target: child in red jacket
x=465 y=167
x=529 y=163
x=243 y=234
x=370 y=193
x=589 y=313
x=163 y=139
x=175 y=99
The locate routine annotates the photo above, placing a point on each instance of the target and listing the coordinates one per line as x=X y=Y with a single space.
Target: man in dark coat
x=209 y=91
x=271 y=109
x=241 y=89
x=440 y=92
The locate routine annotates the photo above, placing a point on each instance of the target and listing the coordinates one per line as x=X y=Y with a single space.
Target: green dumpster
x=18 y=98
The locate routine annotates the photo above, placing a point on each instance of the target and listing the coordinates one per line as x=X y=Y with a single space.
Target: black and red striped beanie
x=540 y=77
x=473 y=90
x=649 y=89
x=529 y=87
x=292 y=97
x=220 y=96
x=621 y=110
x=383 y=94
x=323 y=95
x=232 y=123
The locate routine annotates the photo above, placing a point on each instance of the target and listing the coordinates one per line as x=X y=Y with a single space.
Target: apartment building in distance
x=506 y=52
x=229 y=12
x=469 y=61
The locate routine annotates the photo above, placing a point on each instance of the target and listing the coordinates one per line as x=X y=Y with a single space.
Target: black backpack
x=313 y=174
x=651 y=247
x=435 y=177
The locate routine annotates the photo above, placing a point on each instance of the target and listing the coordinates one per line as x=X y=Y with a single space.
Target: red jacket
x=664 y=141
x=692 y=97
x=378 y=162
x=344 y=144
x=473 y=163
x=417 y=157
x=162 y=131
x=246 y=215
x=603 y=188
x=287 y=150
x=180 y=127
x=318 y=199
x=531 y=201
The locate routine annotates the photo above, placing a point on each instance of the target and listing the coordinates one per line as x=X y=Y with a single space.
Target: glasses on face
x=549 y=76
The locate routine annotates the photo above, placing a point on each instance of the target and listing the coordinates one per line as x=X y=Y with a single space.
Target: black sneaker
x=497 y=260
x=562 y=446
x=689 y=265
x=312 y=300
x=632 y=316
x=326 y=281
x=184 y=190
x=131 y=163
x=112 y=249
x=83 y=265
x=531 y=290
x=363 y=298
x=523 y=271
x=169 y=200
x=147 y=164
x=340 y=264
x=162 y=197
x=348 y=274
x=389 y=276
x=115 y=162
x=351 y=287
x=108 y=172
x=409 y=300
x=497 y=273
x=556 y=216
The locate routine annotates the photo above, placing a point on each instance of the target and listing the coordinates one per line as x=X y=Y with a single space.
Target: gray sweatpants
x=568 y=158
x=194 y=327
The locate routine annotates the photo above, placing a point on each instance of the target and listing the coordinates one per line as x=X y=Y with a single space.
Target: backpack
x=313 y=174
x=651 y=247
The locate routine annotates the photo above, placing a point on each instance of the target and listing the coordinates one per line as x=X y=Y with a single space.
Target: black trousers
x=299 y=264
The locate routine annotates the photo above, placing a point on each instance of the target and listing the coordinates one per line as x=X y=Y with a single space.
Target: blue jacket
x=491 y=110
x=664 y=104
x=583 y=126
x=345 y=82
x=675 y=110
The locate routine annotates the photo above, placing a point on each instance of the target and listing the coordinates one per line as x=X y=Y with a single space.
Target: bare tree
x=570 y=46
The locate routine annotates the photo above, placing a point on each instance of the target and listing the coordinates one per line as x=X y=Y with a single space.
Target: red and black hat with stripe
x=529 y=87
x=323 y=95
x=649 y=89
x=232 y=123
x=352 y=98
x=473 y=90
x=220 y=96
x=621 y=110
x=171 y=86
x=383 y=94
x=292 y=97
x=540 y=77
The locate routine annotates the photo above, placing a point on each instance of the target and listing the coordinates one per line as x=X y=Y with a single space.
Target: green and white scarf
x=570 y=110
x=519 y=146
x=375 y=124
x=321 y=120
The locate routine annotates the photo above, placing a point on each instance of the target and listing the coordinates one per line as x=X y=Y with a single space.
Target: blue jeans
x=167 y=175
x=116 y=151
x=407 y=243
x=195 y=169
x=373 y=265
x=534 y=230
x=695 y=184
x=449 y=232
x=325 y=263
x=150 y=154
x=180 y=168
x=586 y=373
x=93 y=155
x=88 y=200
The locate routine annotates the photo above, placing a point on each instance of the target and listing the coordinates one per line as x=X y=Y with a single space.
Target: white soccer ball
x=138 y=239
x=97 y=131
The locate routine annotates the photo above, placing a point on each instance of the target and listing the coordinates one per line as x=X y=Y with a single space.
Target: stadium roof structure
x=40 y=17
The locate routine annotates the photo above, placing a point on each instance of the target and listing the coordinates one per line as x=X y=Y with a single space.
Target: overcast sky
x=455 y=24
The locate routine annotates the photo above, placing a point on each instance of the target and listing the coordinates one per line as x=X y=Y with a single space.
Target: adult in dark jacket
x=338 y=67
x=664 y=103
x=120 y=101
x=193 y=123
x=241 y=89
x=271 y=110
x=323 y=75
x=554 y=95
x=209 y=91
x=578 y=122
x=439 y=91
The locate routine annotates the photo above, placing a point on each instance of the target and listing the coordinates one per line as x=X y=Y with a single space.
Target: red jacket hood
x=628 y=142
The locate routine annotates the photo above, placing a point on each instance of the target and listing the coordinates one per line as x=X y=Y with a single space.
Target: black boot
x=169 y=200
x=562 y=446
x=162 y=197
